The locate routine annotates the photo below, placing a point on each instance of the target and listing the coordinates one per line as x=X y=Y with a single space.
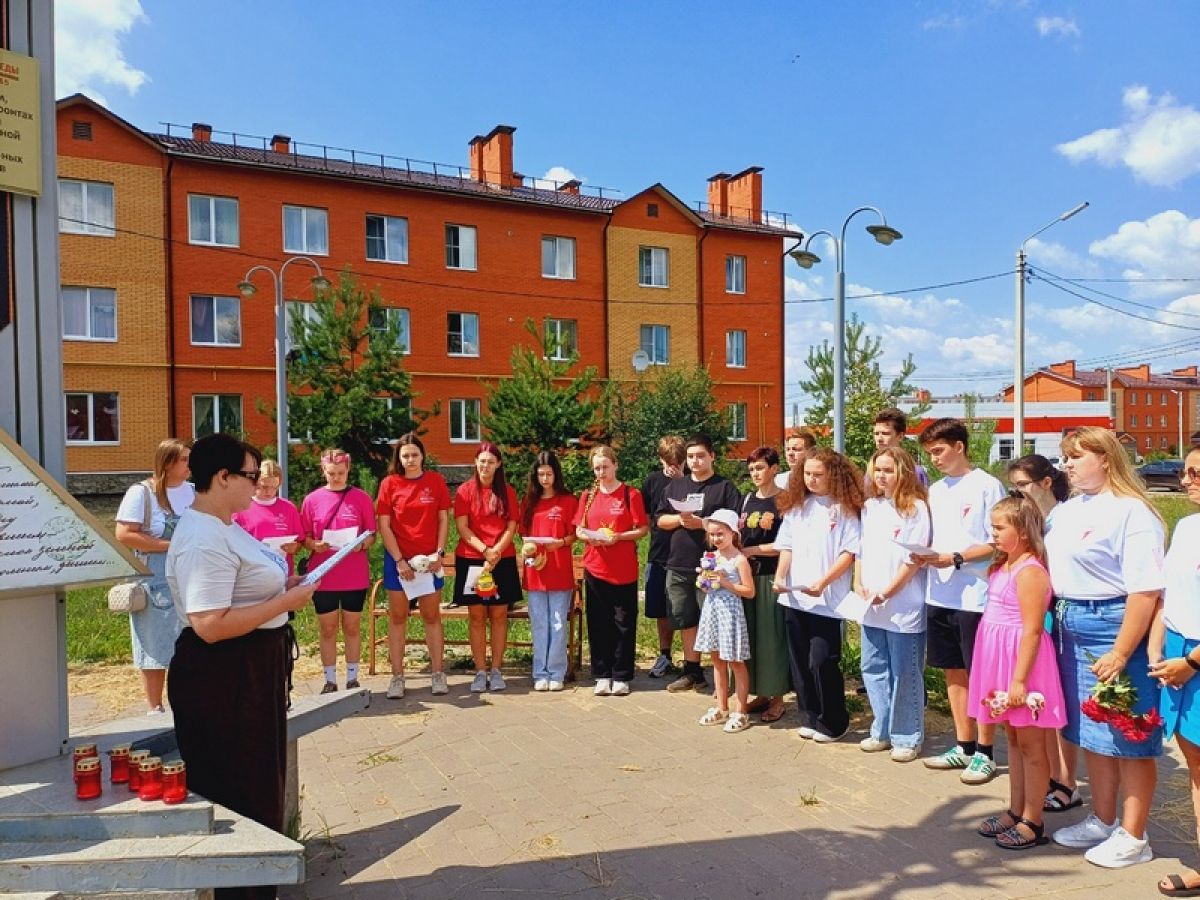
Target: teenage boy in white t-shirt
x=888 y=431
x=956 y=589
x=796 y=443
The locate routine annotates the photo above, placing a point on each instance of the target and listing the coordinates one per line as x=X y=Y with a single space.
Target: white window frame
x=305 y=212
x=562 y=350
x=215 y=342
x=646 y=266
x=562 y=259
x=738 y=429
x=1162 y=399
x=89 y=303
x=1162 y=421
x=213 y=202
x=307 y=310
x=735 y=274
x=216 y=402
x=1133 y=420
x=462 y=334
x=1164 y=443
x=460 y=247
x=85 y=225
x=404 y=347
x=651 y=348
x=91 y=418
x=401 y=224
x=459 y=413
x=735 y=348
x=1133 y=398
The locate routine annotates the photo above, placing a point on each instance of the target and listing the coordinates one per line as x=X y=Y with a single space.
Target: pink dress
x=996 y=646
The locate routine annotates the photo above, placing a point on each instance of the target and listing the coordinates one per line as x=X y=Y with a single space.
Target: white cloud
x=1087 y=318
x=87 y=51
x=1159 y=141
x=556 y=177
x=1056 y=26
x=945 y=22
x=1164 y=245
x=1059 y=259
x=981 y=351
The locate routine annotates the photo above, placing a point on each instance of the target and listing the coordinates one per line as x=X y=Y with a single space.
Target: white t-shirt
x=1104 y=545
x=882 y=558
x=781 y=479
x=213 y=566
x=817 y=532
x=1181 y=600
x=132 y=510
x=961 y=506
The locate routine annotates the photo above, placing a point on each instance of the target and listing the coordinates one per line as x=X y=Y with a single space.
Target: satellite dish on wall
x=641 y=361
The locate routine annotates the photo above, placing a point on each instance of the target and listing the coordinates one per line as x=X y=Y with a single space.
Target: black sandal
x=1012 y=839
x=992 y=826
x=1178 y=888
x=1055 y=803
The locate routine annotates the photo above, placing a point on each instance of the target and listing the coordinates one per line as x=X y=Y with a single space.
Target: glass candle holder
x=135 y=772
x=150 y=770
x=119 y=764
x=82 y=751
x=174 y=776
x=87 y=778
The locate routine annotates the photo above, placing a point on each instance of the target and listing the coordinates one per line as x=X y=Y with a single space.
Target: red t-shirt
x=554 y=518
x=412 y=506
x=482 y=509
x=616 y=563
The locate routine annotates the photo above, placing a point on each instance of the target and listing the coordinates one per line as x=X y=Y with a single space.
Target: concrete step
x=31 y=895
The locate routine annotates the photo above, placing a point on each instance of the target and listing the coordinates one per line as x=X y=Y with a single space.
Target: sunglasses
x=1190 y=472
x=251 y=476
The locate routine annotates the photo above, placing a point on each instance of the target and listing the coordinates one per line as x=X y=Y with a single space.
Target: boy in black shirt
x=671 y=454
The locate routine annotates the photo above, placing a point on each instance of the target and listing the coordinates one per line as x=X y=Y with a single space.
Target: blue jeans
x=893 y=672
x=548 y=625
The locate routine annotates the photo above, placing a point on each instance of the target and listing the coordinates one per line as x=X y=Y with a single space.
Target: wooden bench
x=378 y=606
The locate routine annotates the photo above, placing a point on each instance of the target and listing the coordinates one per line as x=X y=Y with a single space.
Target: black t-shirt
x=760 y=523
x=687 y=544
x=652 y=492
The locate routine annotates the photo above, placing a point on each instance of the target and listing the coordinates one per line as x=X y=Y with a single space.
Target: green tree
x=347 y=383
x=866 y=391
x=672 y=401
x=542 y=405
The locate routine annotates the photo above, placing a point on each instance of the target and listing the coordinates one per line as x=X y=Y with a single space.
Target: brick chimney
x=201 y=132
x=1142 y=372
x=1066 y=369
x=570 y=187
x=281 y=143
x=745 y=194
x=491 y=157
x=1188 y=372
x=718 y=194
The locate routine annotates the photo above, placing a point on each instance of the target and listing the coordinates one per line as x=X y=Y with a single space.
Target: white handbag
x=131 y=596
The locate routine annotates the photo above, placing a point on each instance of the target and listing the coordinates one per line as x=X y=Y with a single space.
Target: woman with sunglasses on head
x=333 y=516
x=1175 y=659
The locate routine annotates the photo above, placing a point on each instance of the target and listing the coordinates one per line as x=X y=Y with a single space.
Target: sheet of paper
x=917 y=549
x=337 y=538
x=320 y=571
x=792 y=589
x=472 y=579
x=420 y=585
x=276 y=543
x=538 y=540
x=690 y=505
x=591 y=535
x=853 y=607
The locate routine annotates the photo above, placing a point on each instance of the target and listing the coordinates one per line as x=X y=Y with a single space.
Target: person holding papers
x=270 y=518
x=817 y=543
x=893 y=628
x=413 y=507
x=333 y=516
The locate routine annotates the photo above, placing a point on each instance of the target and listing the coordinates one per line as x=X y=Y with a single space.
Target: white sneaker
x=438 y=684
x=395 y=689
x=873 y=745
x=541 y=684
x=496 y=682
x=603 y=687
x=479 y=683
x=905 y=754
x=805 y=732
x=554 y=686
x=1088 y=833
x=620 y=688
x=822 y=738
x=1120 y=850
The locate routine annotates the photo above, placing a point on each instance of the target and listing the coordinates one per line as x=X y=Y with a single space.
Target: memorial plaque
x=20 y=124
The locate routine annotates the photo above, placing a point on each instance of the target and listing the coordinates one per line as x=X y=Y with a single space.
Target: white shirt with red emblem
x=1181 y=602
x=961 y=507
x=817 y=532
x=882 y=558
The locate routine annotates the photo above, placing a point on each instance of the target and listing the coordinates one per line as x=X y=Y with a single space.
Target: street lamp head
x=247 y=289
x=321 y=283
x=1072 y=212
x=805 y=259
x=884 y=234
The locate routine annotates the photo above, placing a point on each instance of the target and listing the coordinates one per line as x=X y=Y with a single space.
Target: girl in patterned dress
x=722 y=630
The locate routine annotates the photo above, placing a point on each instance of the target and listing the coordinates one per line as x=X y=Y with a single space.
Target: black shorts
x=656 y=591
x=332 y=601
x=508 y=583
x=951 y=638
x=683 y=600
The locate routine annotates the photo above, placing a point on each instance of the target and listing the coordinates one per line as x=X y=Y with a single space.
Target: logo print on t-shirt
x=427 y=495
x=1087 y=533
x=896 y=533
x=833 y=519
x=966 y=510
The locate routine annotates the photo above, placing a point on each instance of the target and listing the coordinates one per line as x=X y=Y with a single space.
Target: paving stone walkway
x=524 y=794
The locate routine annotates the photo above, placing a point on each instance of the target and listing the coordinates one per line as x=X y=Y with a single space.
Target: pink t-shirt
x=321 y=510
x=278 y=518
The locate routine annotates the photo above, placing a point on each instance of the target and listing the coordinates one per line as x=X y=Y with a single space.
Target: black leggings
x=612 y=627
x=814 y=653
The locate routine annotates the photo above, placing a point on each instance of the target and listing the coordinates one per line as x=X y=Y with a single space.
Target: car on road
x=1162 y=474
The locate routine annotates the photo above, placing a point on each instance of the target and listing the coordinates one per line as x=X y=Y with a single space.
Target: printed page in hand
x=323 y=569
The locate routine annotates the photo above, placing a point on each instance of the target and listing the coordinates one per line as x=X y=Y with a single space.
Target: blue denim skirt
x=1087 y=630
x=1180 y=707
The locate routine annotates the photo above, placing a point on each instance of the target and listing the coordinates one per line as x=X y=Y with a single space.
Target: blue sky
x=970 y=124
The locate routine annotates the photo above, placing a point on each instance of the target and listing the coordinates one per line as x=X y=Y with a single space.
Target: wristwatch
x=441 y=553
x=958 y=559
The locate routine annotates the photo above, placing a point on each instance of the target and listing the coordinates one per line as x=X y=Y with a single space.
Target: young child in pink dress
x=1015 y=676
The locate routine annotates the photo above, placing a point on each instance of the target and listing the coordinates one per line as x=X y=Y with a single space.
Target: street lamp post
x=1019 y=329
x=805 y=258
x=1179 y=397
x=247 y=289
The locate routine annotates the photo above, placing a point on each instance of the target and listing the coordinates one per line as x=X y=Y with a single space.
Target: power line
x=1057 y=286
x=915 y=290
x=1158 y=309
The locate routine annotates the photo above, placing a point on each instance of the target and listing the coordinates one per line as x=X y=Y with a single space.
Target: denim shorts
x=1180 y=707
x=1087 y=630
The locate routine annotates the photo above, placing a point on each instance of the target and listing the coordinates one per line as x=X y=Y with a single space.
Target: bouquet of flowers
x=996 y=703
x=1112 y=703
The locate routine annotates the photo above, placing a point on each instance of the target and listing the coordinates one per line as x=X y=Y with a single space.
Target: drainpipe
x=168 y=249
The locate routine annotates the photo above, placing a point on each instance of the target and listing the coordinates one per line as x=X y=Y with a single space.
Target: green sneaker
x=954 y=758
x=980 y=770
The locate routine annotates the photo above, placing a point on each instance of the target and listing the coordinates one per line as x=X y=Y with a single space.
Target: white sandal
x=737 y=722
x=714 y=716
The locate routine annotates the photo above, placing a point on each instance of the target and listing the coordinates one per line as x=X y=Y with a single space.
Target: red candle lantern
x=87 y=778
x=83 y=751
x=135 y=772
x=150 y=770
x=119 y=764
x=174 y=776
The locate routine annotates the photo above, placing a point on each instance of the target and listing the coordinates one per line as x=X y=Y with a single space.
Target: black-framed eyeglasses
x=1020 y=485
x=251 y=475
x=1190 y=472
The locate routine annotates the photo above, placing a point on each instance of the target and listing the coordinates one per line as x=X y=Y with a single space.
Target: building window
x=652 y=210
x=735 y=274
x=1162 y=421
x=1091 y=395
x=460 y=247
x=656 y=343
x=217 y=321
x=558 y=257
x=653 y=266
x=1149 y=399
x=464 y=421
x=93 y=418
x=298 y=309
x=89 y=314
x=305 y=230
x=387 y=239
x=385 y=316
x=462 y=334
x=216 y=413
x=735 y=349
x=1162 y=399
x=1132 y=421
x=1133 y=398
x=1149 y=442
x=1006 y=448
x=212 y=220
x=86 y=207
x=561 y=335
x=1163 y=444
x=737 y=421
